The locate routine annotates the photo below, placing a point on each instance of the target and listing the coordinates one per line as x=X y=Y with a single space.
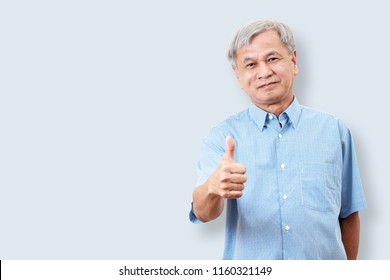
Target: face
x=265 y=71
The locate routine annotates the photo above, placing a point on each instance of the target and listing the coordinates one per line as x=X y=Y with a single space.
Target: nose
x=264 y=71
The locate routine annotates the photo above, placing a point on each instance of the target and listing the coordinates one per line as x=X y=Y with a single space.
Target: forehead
x=263 y=44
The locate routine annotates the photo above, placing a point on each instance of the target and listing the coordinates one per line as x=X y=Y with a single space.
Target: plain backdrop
x=104 y=104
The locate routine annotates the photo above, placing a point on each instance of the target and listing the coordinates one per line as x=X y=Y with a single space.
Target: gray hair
x=246 y=33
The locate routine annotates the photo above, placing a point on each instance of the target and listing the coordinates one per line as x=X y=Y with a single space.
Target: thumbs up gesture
x=228 y=179
x=230 y=146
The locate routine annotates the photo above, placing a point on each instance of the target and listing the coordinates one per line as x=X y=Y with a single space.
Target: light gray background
x=104 y=104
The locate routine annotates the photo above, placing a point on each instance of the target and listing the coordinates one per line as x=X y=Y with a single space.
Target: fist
x=228 y=179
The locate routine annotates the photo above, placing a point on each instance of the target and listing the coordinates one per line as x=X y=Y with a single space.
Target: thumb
x=230 y=145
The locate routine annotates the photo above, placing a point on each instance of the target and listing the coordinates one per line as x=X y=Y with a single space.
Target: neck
x=277 y=108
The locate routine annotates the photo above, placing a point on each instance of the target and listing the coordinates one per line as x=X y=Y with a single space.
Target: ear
x=235 y=70
x=237 y=74
x=294 y=61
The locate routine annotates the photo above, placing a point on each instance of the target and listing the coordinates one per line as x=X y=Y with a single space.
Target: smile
x=268 y=85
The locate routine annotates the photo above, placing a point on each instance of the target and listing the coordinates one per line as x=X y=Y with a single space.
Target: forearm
x=207 y=205
x=350 y=231
x=227 y=181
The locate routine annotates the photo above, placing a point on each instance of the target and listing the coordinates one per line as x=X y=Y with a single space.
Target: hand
x=228 y=179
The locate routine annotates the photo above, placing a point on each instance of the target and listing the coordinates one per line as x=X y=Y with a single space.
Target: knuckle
x=224 y=187
x=225 y=194
x=241 y=168
x=224 y=177
x=223 y=166
x=229 y=195
x=241 y=179
x=235 y=194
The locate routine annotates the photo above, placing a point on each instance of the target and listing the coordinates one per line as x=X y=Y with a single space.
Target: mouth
x=267 y=85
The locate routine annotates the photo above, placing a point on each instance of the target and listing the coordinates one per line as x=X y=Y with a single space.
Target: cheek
x=249 y=78
x=287 y=75
x=244 y=79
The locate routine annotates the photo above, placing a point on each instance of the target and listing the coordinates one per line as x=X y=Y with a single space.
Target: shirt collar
x=294 y=112
x=259 y=116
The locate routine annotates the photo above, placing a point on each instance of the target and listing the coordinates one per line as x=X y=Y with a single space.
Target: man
x=286 y=173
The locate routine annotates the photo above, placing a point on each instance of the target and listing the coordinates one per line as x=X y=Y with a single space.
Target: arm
x=352 y=196
x=350 y=232
x=207 y=205
x=227 y=181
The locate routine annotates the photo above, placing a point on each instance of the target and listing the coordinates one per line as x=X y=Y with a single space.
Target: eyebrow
x=273 y=53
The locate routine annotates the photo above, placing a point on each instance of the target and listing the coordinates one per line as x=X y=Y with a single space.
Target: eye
x=273 y=58
x=250 y=65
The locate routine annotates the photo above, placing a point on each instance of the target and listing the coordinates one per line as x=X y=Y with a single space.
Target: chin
x=267 y=97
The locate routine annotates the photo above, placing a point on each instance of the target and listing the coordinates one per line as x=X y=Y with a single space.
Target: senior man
x=287 y=174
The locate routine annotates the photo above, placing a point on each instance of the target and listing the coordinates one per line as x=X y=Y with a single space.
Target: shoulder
x=232 y=122
x=228 y=127
x=315 y=113
x=238 y=118
x=324 y=118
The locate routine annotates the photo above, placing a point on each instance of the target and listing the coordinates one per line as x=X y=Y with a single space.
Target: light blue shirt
x=302 y=178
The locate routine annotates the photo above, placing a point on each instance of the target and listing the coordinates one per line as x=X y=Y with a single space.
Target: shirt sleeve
x=213 y=148
x=352 y=194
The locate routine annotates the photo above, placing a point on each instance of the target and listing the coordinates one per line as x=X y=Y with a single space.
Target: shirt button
x=270 y=117
x=287 y=228
x=283 y=166
x=285 y=196
x=279 y=135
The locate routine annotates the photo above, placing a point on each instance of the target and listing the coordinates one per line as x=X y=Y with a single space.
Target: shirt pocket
x=321 y=186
